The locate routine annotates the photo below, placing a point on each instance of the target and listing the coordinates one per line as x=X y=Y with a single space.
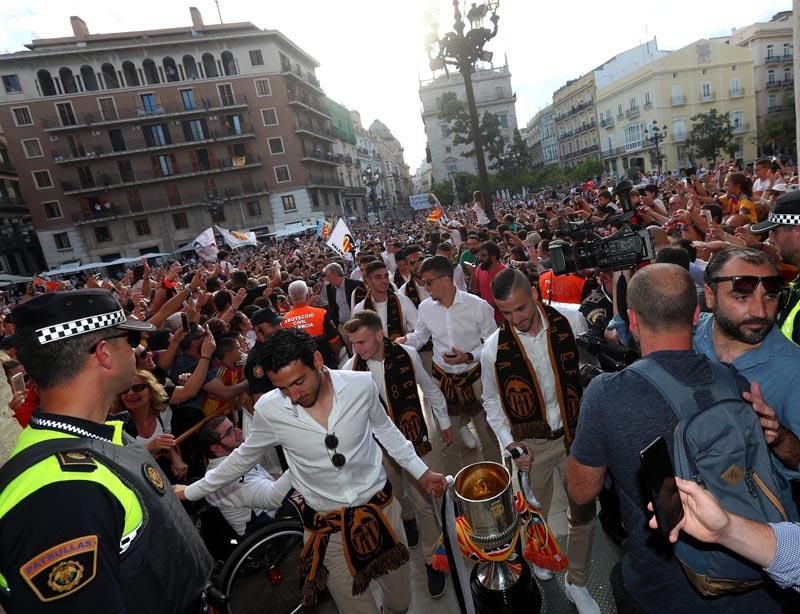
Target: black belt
x=557 y=434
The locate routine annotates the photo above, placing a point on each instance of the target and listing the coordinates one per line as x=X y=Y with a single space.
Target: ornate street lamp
x=214 y=205
x=657 y=135
x=462 y=50
x=371 y=176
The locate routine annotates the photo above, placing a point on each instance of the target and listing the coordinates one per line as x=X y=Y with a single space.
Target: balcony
x=679 y=137
x=737 y=93
x=772 y=59
x=320 y=181
x=10 y=201
x=710 y=97
x=788 y=81
x=110 y=182
x=787 y=58
x=678 y=101
x=7 y=167
x=647 y=105
x=305 y=102
x=297 y=74
x=319 y=156
x=607 y=122
x=739 y=127
x=772 y=83
x=314 y=131
x=776 y=108
x=632 y=113
x=136 y=147
x=138 y=114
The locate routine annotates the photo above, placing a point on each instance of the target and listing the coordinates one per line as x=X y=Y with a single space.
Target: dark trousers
x=623 y=600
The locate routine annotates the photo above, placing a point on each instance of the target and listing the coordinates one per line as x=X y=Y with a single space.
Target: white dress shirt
x=535 y=347
x=422 y=292
x=253 y=493
x=458 y=278
x=430 y=390
x=355 y=417
x=464 y=326
x=388 y=260
x=407 y=307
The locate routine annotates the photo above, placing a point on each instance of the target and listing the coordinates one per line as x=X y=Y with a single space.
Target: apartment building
x=772 y=51
x=354 y=194
x=395 y=173
x=705 y=75
x=134 y=142
x=493 y=93
x=542 y=140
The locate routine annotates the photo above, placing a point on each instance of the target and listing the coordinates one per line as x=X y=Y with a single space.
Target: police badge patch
x=63 y=569
x=258 y=372
x=153 y=476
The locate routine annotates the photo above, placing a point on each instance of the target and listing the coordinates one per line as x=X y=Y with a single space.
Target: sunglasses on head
x=134 y=339
x=331 y=443
x=747 y=284
x=136 y=388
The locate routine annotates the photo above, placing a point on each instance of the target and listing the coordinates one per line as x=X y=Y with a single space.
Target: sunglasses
x=136 y=388
x=331 y=443
x=412 y=262
x=134 y=339
x=747 y=284
x=429 y=282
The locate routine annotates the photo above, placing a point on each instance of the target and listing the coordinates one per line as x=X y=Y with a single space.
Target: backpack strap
x=724 y=386
x=679 y=396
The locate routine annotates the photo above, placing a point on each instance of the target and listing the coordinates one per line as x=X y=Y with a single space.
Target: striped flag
x=437 y=214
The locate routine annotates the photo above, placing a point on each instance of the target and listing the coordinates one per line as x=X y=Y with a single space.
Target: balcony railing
x=321 y=180
x=788 y=81
x=10 y=201
x=678 y=101
x=7 y=167
x=322 y=156
x=139 y=146
x=307 y=103
x=607 y=122
x=774 y=83
x=107 y=181
x=737 y=93
x=711 y=96
x=298 y=74
x=776 y=108
x=632 y=113
x=647 y=105
x=315 y=131
x=141 y=113
x=740 y=127
x=772 y=59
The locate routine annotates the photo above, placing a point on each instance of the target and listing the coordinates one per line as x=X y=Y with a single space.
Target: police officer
x=783 y=225
x=265 y=323
x=88 y=521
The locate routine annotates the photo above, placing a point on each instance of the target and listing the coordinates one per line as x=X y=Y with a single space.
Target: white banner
x=237 y=238
x=341 y=240
x=206 y=245
x=420 y=201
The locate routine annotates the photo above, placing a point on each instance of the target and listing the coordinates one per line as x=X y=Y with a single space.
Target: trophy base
x=505 y=588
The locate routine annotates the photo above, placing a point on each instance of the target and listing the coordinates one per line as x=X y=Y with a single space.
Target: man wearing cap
x=87 y=522
x=783 y=225
x=265 y=323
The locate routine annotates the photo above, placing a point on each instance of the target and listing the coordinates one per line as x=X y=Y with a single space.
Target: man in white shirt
x=458 y=323
x=446 y=249
x=251 y=500
x=389 y=365
x=398 y=317
x=387 y=256
x=325 y=421
x=414 y=289
x=531 y=393
x=763 y=181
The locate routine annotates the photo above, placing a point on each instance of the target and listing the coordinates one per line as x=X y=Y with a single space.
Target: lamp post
x=213 y=205
x=462 y=50
x=657 y=135
x=371 y=176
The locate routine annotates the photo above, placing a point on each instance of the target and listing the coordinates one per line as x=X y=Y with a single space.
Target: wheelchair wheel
x=261 y=574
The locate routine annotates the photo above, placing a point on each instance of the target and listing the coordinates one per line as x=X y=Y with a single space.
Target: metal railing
x=632 y=113
x=737 y=93
x=306 y=101
x=711 y=96
x=678 y=101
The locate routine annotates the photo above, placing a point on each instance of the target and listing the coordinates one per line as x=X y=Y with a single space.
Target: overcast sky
x=371 y=52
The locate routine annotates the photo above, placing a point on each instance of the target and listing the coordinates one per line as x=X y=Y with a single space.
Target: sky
x=372 y=55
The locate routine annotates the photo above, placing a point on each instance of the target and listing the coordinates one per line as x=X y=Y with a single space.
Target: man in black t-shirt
x=265 y=323
x=621 y=414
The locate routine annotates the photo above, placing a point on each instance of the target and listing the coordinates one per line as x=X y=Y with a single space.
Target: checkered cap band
x=79 y=327
x=785 y=218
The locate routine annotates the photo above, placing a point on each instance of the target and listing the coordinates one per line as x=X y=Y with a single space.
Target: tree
x=586 y=170
x=777 y=133
x=515 y=160
x=710 y=132
x=455 y=113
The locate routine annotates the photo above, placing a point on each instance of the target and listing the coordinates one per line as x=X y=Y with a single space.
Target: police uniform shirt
x=66 y=515
x=254 y=371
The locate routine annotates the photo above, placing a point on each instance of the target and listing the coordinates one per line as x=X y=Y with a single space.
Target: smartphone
x=18 y=382
x=707 y=214
x=185 y=322
x=659 y=478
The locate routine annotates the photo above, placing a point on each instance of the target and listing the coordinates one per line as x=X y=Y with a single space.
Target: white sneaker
x=468 y=438
x=579 y=595
x=543 y=574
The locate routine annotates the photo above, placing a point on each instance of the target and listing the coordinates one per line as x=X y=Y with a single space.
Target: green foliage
x=778 y=133
x=710 y=132
x=516 y=160
x=455 y=113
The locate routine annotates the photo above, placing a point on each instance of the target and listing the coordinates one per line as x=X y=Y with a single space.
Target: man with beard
x=414 y=289
x=742 y=289
x=396 y=311
x=331 y=425
x=489 y=266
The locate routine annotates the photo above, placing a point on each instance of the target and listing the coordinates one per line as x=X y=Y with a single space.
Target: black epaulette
x=75 y=460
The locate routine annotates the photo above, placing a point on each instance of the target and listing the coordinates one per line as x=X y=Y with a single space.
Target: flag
x=238 y=161
x=237 y=238
x=206 y=245
x=341 y=240
x=437 y=214
x=324 y=229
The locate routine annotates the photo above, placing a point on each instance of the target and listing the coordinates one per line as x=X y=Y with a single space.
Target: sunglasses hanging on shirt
x=331 y=443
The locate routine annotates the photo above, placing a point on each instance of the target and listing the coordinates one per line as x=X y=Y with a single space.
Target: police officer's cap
x=60 y=315
x=786 y=210
x=266 y=315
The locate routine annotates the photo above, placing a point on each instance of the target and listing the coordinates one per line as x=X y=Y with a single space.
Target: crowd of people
x=263 y=376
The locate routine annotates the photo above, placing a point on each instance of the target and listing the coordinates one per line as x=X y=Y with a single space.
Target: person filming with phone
x=622 y=413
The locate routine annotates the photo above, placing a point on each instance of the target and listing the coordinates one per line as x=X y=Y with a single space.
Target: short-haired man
x=396 y=311
x=763 y=181
x=253 y=499
x=397 y=371
x=531 y=392
x=313 y=320
x=414 y=289
x=457 y=323
x=339 y=292
x=742 y=289
x=621 y=414
x=325 y=420
x=401 y=273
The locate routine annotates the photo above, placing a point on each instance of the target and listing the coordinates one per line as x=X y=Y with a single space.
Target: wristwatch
x=517 y=451
x=470 y=357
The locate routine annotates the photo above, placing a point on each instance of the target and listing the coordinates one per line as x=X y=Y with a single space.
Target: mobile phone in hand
x=18 y=382
x=707 y=214
x=185 y=322
x=659 y=478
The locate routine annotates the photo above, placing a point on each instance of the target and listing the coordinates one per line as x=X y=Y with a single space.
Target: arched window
x=68 y=81
x=46 y=83
x=228 y=63
x=209 y=65
x=89 y=78
x=170 y=70
x=190 y=67
x=110 y=76
x=150 y=72
x=131 y=76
